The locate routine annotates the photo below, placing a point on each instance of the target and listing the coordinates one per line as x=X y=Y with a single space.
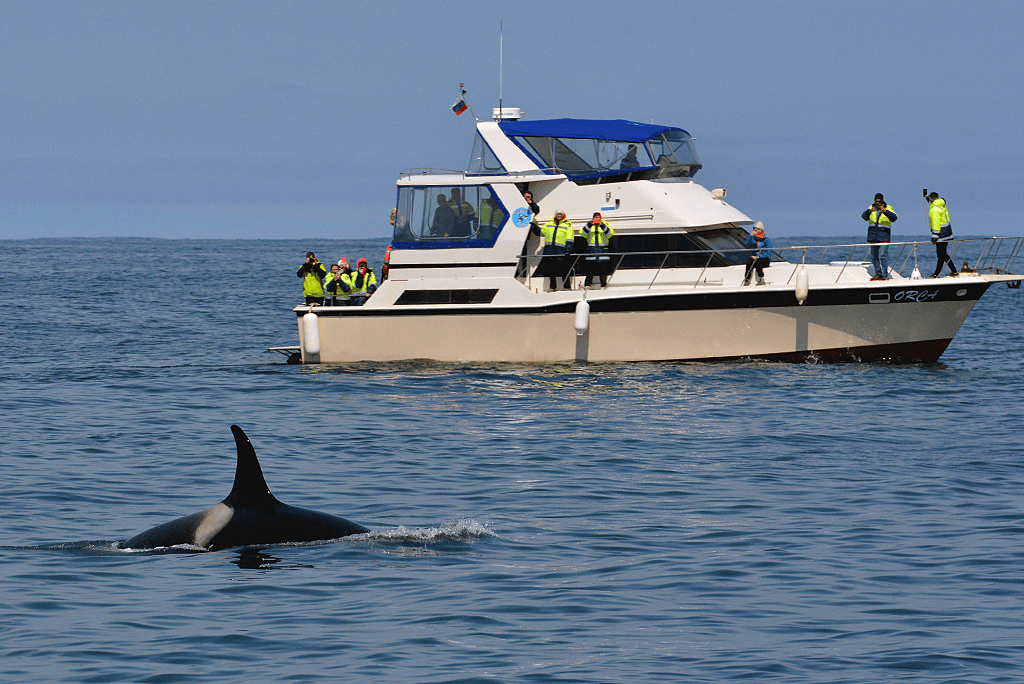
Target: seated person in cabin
x=444 y=219
x=491 y=217
x=464 y=215
x=761 y=259
x=364 y=283
x=630 y=161
x=312 y=273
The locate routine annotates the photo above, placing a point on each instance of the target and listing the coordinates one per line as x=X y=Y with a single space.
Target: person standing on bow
x=942 y=232
x=312 y=273
x=760 y=259
x=879 y=217
x=597 y=233
x=558 y=236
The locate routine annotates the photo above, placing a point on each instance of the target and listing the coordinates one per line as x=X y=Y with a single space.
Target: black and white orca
x=249 y=516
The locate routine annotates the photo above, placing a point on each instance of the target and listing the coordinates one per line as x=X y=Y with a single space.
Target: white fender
x=916 y=275
x=582 y=317
x=802 y=285
x=311 y=334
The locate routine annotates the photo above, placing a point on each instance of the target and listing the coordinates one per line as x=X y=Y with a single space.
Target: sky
x=293 y=119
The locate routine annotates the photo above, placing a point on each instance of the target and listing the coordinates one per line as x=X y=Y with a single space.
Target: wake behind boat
x=468 y=279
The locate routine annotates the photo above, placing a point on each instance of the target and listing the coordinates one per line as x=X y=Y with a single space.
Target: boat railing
x=409 y=174
x=997 y=255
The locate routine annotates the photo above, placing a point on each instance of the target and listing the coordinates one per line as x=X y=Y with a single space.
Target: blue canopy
x=594 y=129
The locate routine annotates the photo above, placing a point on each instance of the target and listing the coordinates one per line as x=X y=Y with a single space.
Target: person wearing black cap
x=942 y=232
x=879 y=217
x=312 y=273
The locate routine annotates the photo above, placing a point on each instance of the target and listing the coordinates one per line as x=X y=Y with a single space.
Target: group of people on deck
x=559 y=237
x=341 y=286
x=880 y=217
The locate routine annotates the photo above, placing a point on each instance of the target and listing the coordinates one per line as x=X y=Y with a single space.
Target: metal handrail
x=985 y=262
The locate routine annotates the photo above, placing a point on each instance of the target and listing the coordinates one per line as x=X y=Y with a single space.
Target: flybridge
x=595 y=150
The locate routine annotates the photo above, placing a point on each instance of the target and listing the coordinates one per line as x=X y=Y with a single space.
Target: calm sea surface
x=576 y=523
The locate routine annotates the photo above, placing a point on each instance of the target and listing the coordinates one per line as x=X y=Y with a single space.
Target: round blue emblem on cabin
x=521 y=217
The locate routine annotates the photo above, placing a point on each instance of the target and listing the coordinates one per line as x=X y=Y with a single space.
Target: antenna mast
x=501 y=61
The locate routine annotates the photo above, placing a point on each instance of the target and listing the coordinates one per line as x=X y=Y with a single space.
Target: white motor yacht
x=467 y=281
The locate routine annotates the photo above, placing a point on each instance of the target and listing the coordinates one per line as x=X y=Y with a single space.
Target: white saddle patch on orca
x=215 y=519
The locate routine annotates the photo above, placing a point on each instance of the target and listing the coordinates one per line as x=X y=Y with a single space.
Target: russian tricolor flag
x=459 y=107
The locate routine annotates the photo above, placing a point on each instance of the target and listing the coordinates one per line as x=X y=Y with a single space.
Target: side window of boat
x=680 y=250
x=443 y=216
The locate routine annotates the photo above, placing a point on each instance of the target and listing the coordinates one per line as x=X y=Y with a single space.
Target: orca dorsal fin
x=250 y=488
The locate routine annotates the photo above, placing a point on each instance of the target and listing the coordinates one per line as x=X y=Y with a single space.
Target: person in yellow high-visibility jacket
x=558 y=237
x=597 y=233
x=942 y=232
x=312 y=273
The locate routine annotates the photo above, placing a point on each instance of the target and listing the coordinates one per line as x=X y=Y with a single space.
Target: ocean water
x=571 y=523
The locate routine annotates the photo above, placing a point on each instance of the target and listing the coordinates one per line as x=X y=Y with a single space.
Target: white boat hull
x=762 y=323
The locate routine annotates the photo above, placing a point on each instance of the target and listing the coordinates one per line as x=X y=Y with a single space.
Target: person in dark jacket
x=444 y=218
x=879 y=217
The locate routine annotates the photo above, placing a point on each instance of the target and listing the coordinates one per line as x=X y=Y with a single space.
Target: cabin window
x=483 y=161
x=682 y=250
x=446 y=297
x=447 y=216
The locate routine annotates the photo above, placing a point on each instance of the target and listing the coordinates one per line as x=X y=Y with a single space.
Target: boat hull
x=902 y=323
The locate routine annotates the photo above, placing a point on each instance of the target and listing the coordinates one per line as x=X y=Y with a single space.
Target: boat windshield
x=581 y=156
x=675 y=147
x=603 y=151
x=446 y=216
x=483 y=160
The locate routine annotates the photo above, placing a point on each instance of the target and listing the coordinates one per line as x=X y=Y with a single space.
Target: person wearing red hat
x=364 y=283
x=597 y=233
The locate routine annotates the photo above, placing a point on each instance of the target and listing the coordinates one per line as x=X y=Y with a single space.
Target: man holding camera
x=312 y=273
x=338 y=284
x=879 y=217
